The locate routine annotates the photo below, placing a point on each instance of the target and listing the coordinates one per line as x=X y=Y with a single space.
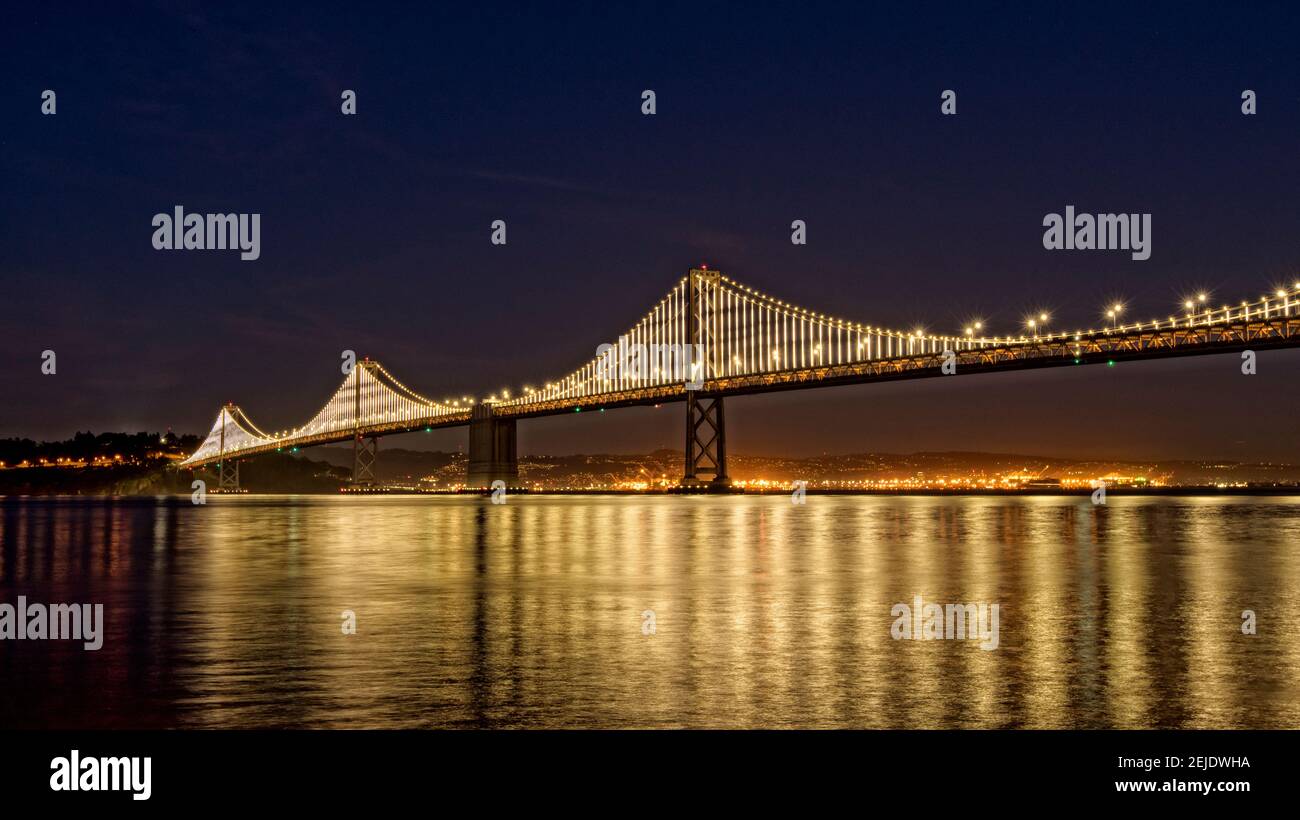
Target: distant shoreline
x=1084 y=494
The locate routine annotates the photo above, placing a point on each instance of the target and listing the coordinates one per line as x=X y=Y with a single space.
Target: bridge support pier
x=492 y=453
x=365 y=452
x=228 y=479
x=706 y=443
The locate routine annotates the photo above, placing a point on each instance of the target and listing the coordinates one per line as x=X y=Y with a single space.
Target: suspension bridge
x=712 y=337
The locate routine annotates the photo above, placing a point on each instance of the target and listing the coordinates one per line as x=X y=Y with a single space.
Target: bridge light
x=1200 y=297
x=1281 y=294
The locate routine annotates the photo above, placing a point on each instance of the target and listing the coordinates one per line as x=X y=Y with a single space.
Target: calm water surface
x=767 y=614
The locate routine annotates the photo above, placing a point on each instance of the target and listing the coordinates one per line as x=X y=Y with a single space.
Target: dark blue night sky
x=375 y=228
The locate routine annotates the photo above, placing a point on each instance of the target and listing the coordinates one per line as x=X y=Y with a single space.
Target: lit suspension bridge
x=712 y=337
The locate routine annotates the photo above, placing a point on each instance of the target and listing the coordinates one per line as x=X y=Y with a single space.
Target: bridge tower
x=492 y=453
x=706 y=431
x=227 y=479
x=365 y=449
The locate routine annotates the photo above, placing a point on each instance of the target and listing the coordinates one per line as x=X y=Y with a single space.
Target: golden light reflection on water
x=766 y=613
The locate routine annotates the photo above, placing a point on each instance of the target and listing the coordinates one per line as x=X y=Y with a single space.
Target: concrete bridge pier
x=492 y=453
